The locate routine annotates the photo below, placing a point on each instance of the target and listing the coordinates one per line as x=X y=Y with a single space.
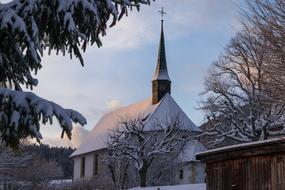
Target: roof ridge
x=159 y=103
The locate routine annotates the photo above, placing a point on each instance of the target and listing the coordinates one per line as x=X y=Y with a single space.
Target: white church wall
x=76 y=168
x=88 y=167
x=193 y=172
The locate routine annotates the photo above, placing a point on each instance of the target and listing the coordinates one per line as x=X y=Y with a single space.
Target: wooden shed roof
x=270 y=146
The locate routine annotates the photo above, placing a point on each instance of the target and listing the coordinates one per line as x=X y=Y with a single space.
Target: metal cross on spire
x=162 y=12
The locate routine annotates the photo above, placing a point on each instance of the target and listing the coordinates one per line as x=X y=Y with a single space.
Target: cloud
x=182 y=19
x=113 y=104
x=125 y=36
x=78 y=135
x=119 y=73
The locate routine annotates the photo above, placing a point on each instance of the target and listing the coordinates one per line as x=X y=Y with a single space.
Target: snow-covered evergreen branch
x=22 y=112
x=27 y=28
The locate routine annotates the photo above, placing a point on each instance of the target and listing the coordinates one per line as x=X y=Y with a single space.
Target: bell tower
x=161 y=83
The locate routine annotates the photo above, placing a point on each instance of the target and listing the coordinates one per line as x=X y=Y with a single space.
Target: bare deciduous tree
x=241 y=103
x=40 y=171
x=10 y=163
x=118 y=171
x=22 y=169
x=140 y=145
x=267 y=20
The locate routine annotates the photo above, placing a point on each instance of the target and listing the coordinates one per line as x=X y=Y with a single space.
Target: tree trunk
x=142 y=173
x=125 y=176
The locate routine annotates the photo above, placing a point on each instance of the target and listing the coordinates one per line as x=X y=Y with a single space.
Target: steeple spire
x=161 y=81
x=161 y=72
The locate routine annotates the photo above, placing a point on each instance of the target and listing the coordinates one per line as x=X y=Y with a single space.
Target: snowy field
x=200 y=186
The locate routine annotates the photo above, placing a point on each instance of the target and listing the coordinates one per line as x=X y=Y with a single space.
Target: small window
x=181 y=174
x=162 y=87
x=82 y=169
x=95 y=164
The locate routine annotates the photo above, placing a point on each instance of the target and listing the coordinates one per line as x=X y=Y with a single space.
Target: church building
x=88 y=157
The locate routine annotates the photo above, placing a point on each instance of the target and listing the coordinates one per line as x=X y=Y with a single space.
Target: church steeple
x=161 y=83
x=161 y=67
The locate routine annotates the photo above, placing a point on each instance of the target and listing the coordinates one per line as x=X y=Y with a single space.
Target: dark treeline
x=60 y=155
x=35 y=164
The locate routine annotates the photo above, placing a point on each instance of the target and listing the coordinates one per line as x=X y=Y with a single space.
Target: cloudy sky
x=119 y=73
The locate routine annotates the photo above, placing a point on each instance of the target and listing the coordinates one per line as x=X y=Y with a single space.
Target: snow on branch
x=22 y=112
x=27 y=27
x=132 y=140
x=145 y=145
x=240 y=103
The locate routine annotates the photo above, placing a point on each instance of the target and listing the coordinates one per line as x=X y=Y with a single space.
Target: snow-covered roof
x=162 y=111
x=241 y=146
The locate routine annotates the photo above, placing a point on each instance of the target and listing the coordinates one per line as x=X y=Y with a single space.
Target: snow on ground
x=60 y=181
x=199 y=186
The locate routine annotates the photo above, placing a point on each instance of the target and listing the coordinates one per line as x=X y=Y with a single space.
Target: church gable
x=168 y=110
